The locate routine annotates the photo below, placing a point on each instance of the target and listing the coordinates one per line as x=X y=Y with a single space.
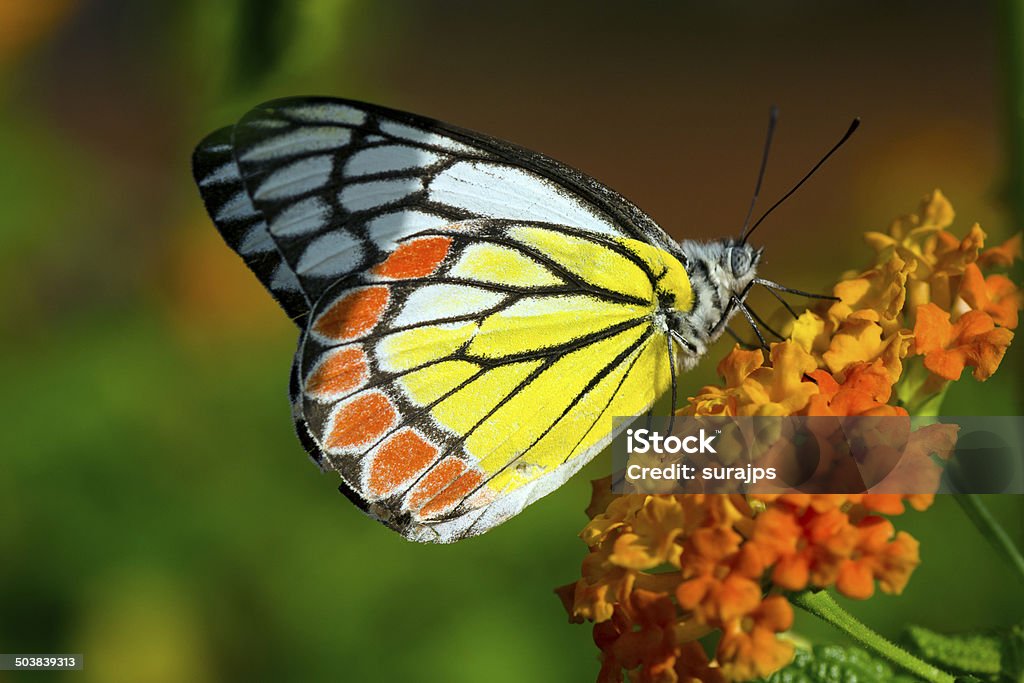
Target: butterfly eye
x=739 y=262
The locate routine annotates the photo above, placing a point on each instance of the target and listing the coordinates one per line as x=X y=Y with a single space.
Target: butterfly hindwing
x=446 y=386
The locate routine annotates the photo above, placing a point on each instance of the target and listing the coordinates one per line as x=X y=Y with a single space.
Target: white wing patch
x=228 y=173
x=305 y=216
x=297 y=178
x=436 y=302
x=389 y=158
x=256 y=241
x=301 y=141
x=369 y=195
x=400 y=130
x=285 y=279
x=500 y=191
x=387 y=229
x=236 y=208
x=334 y=253
x=328 y=113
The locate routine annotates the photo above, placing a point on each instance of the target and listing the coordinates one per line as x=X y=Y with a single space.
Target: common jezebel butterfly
x=471 y=313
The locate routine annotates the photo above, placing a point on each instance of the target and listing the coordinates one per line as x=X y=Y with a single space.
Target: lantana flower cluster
x=663 y=571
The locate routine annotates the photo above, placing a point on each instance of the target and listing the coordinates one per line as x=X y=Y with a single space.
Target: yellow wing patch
x=430 y=383
x=589 y=260
x=530 y=414
x=497 y=264
x=414 y=347
x=464 y=409
x=539 y=323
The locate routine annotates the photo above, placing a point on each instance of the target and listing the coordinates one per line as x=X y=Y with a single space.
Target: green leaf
x=997 y=656
x=836 y=664
x=969 y=652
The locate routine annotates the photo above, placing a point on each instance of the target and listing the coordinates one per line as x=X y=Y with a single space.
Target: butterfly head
x=718 y=270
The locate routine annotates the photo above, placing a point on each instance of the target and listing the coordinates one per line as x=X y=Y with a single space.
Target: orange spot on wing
x=445 y=485
x=341 y=372
x=416 y=258
x=353 y=314
x=361 y=420
x=450 y=497
x=444 y=473
x=399 y=459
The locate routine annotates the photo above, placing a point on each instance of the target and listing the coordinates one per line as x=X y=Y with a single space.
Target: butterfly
x=471 y=314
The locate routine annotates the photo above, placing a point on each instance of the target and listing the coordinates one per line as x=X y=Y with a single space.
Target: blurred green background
x=156 y=511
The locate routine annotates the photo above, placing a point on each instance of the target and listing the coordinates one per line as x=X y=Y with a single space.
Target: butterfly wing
x=479 y=366
x=470 y=371
x=309 y=190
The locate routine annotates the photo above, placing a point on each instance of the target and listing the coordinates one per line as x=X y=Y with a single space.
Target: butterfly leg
x=764 y=324
x=675 y=395
x=750 y=319
x=744 y=344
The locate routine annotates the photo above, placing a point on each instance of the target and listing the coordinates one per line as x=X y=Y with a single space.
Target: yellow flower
x=881 y=290
x=753 y=388
x=860 y=339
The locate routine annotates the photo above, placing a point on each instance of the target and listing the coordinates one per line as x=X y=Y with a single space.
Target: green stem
x=821 y=605
x=991 y=529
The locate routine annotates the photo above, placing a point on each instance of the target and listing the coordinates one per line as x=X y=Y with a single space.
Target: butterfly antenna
x=846 y=136
x=773 y=117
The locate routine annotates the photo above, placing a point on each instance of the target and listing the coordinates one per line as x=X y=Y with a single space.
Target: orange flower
x=973 y=341
x=995 y=295
x=749 y=647
x=1004 y=255
x=865 y=391
x=651 y=541
x=912 y=235
x=665 y=570
x=915 y=470
x=875 y=557
x=692 y=665
x=651 y=645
